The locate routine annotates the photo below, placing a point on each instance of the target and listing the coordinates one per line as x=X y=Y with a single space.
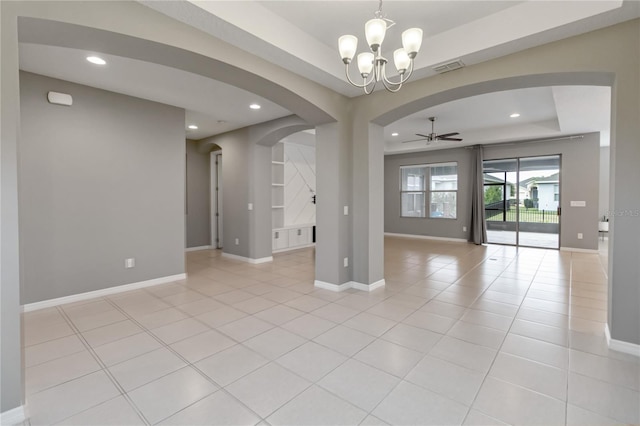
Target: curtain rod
x=489 y=145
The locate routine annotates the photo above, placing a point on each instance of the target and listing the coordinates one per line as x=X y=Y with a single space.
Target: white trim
x=621 y=346
x=349 y=284
x=14 y=416
x=247 y=259
x=332 y=287
x=578 y=250
x=99 y=293
x=294 y=247
x=368 y=287
x=425 y=237
x=198 y=248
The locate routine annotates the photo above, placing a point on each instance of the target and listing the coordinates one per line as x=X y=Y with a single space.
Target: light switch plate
x=578 y=204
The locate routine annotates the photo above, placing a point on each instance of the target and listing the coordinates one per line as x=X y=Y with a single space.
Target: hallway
x=461 y=334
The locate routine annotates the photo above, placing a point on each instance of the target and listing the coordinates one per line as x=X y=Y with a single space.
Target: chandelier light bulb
x=401 y=60
x=372 y=65
x=411 y=41
x=365 y=63
x=374 y=31
x=347 y=45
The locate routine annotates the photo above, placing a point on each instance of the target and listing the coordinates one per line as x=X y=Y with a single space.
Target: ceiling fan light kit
x=372 y=65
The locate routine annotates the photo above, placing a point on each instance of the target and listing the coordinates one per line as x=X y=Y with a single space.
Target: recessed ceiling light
x=394 y=134
x=193 y=127
x=96 y=60
x=514 y=115
x=254 y=106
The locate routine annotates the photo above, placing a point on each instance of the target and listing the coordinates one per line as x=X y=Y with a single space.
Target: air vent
x=449 y=66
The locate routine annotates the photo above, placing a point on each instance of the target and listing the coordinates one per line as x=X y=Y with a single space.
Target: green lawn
x=526 y=215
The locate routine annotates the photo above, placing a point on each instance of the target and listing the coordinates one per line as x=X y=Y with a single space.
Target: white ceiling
x=546 y=112
x=206 y=101
x=302 y=36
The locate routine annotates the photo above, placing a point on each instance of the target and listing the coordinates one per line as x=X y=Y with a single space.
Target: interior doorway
x=522 y=201
x=216 y=199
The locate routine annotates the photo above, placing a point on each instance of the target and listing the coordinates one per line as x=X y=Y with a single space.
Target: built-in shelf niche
x=277 y=185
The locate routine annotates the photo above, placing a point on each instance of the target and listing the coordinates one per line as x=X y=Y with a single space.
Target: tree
x=528 y=204
x=492 y=194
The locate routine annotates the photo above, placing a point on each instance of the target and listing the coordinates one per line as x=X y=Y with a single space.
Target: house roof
x=554 y=178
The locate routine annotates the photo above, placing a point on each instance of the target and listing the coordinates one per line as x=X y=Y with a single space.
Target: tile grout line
x=104 y=367
x=188 y=364
x=502 y=343
x=376 y=338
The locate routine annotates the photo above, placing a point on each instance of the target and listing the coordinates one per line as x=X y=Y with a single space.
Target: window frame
x=427 y=191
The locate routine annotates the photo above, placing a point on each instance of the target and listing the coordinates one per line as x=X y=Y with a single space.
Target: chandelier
x=372 y=65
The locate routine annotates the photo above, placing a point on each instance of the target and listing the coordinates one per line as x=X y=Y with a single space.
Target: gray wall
x=580 y=175
x=246 y=179
x=198 y=214
x=100 y=181
x=11 y=371
x=579 y=182
x=235 y=191
x=442 y=228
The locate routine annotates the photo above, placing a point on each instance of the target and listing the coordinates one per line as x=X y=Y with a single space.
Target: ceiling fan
x=433 y=136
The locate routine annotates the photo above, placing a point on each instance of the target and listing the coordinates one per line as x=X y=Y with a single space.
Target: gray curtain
x=478 y=222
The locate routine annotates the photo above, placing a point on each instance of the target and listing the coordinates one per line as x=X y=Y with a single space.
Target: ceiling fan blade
x=415 y=140
x=423 y=136
x=450 y=139
x=446 y=135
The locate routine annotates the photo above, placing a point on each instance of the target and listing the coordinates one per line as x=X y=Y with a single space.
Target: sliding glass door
x=522 y=201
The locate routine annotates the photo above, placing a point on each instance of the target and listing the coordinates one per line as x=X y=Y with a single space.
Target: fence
x=526 y=215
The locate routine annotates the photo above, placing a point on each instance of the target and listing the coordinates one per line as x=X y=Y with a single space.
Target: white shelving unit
x=277 y=186
x=284 y=237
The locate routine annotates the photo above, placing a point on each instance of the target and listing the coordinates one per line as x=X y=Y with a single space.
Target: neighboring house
x=548 y=189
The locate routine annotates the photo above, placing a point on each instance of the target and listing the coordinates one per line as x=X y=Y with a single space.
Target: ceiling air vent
x=449 y=66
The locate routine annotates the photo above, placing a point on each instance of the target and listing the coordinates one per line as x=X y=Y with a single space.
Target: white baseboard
x=578 y=250
x=247 y=259
x=620 y=346
x=368 y=287
x=13 y=417
x=294 y=248
x=198 y=248
x=99 y=293
x=425 y=237
x=348 y=285
x=332 y=287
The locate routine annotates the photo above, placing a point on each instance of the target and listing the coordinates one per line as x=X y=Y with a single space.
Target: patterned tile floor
x=461 y=334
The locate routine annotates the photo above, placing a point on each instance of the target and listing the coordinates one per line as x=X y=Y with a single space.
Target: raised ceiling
x=302 y=36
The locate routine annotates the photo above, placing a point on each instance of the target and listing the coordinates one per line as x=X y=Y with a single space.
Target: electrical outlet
x=346 y=262
x=346 y=210
x=579 y=235
x=130 y=263
x=464 y=229
x=237 y=241
x=250 y=206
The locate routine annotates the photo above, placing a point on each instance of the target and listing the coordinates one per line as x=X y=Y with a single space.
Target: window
x=413 y=191
x=437 y=183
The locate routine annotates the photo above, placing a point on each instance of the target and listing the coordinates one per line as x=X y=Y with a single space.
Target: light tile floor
x=461 y=334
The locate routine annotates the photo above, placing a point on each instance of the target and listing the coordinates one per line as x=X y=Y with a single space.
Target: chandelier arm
x=388 y=83
x=403 y=78
x=373 y=86
x=359 y=86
